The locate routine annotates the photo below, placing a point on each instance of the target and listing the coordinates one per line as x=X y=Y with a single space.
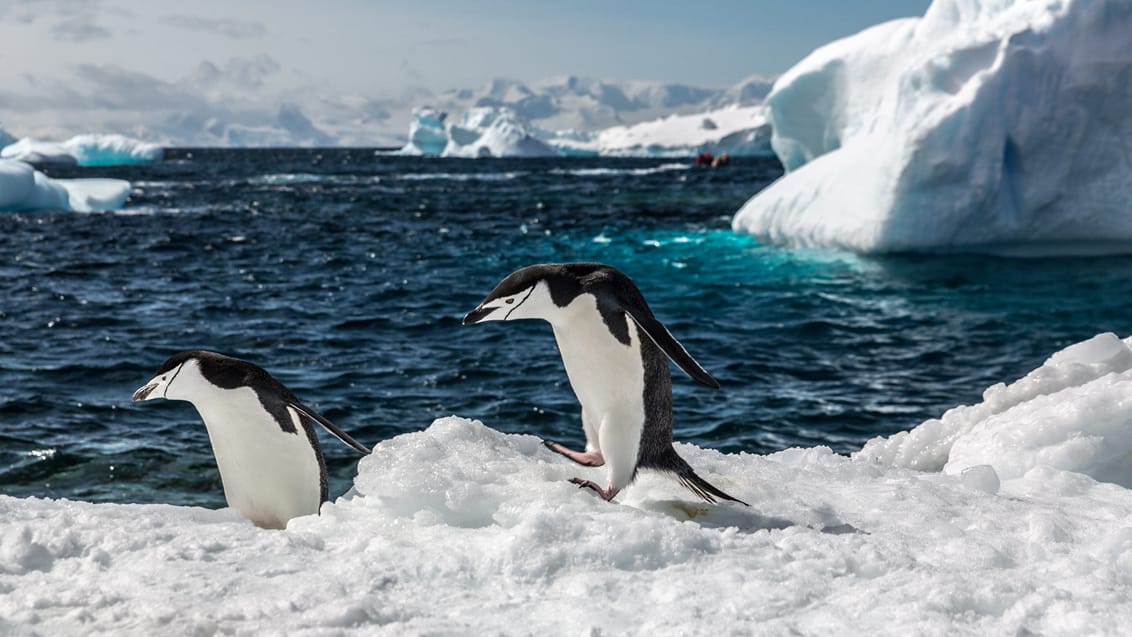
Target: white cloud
x=80 y=28
x=237 y=29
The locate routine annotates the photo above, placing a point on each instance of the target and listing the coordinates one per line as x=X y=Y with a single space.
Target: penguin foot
x=589 y=459
x=606 y=494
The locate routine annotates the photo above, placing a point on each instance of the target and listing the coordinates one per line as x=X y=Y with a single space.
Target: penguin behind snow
x=265 y=445
x=614 y=352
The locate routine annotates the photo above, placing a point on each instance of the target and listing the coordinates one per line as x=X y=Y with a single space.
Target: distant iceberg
x=735 y=130
x=23 y=188
x=84 y=150
x=489 y=131
x=999 y=126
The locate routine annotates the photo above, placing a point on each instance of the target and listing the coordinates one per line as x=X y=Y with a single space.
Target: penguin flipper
x=669 y=345
x=329 y=426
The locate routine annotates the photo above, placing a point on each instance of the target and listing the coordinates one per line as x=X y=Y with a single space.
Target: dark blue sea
x=345 y=273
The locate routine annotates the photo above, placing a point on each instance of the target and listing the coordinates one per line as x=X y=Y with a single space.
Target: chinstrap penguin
x=614 y=351
x=266 y=448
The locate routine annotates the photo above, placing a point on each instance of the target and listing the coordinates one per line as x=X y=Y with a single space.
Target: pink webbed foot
x=606 y=494
x=589 y=459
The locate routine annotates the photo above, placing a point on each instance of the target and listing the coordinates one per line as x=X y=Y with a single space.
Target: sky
x=62 y=59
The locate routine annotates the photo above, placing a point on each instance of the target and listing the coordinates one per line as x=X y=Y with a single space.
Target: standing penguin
x=614 y=351
x=266 y=448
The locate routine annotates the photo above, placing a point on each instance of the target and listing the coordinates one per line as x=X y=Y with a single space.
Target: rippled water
x=345 y=274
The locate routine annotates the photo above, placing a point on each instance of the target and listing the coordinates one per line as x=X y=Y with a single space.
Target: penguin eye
x=509 y=301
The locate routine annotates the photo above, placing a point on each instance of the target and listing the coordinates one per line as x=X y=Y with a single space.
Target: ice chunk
x=25 y=188
x=427 y=135
x=998 y=126
x=85 y=150
x=1074 y=413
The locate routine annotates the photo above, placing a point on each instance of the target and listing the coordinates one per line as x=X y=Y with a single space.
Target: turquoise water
x=346 y=273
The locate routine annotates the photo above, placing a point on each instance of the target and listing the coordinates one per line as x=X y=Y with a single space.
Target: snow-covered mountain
x=227 y=105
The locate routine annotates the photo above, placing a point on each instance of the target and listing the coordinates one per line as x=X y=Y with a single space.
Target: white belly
x=269 y=475
x=608 y=378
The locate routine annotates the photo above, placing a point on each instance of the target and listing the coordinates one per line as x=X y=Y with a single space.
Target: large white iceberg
x=462 y=529
x=84 y=150
x=998 y=126
x=487 y=131
x=23 y=188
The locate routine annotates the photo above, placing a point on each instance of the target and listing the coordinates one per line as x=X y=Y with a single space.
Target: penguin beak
x=477 y=315
x=144 y=392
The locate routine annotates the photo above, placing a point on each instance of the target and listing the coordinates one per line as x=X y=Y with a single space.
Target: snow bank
x=25 y=188
x=998 y=126
x=1074 y=413
x=500 y=132
x=84 y=150
x=462 y=529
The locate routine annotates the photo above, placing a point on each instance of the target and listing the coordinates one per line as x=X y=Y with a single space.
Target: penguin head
x=534 y=292
x=179 y=378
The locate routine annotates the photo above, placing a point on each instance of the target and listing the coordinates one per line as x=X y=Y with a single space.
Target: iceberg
x=994 y=126
x=488 y=131
x=734 y=130
x=23 y=188
x=427 y=135
x=1013 y=521
x=84 y=150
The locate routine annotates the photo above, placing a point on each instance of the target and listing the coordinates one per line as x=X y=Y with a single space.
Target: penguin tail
x=703 y=488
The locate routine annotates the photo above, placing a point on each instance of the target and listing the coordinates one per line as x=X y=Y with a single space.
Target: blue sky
x=74 y=57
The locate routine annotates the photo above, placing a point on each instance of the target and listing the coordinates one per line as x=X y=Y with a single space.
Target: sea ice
x=25 y=188
x=462 y=529
x=985 y=125
x=84 y=150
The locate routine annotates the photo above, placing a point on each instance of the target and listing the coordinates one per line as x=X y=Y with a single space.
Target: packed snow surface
x=999 y=126
x=23 y=188
x=501 y=132
x=462 y=529
x=85 y=150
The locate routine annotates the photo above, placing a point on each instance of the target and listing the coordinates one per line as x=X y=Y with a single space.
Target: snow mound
x=84 y=150
x=460 y=528
x=499 y=132
x=1074 y=413
x=23 y=188
x=998 y=126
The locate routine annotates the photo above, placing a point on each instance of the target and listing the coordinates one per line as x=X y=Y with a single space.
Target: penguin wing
x=669 y=345
x=327 y=425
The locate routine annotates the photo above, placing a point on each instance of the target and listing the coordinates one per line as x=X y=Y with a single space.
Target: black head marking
x=229 y=373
